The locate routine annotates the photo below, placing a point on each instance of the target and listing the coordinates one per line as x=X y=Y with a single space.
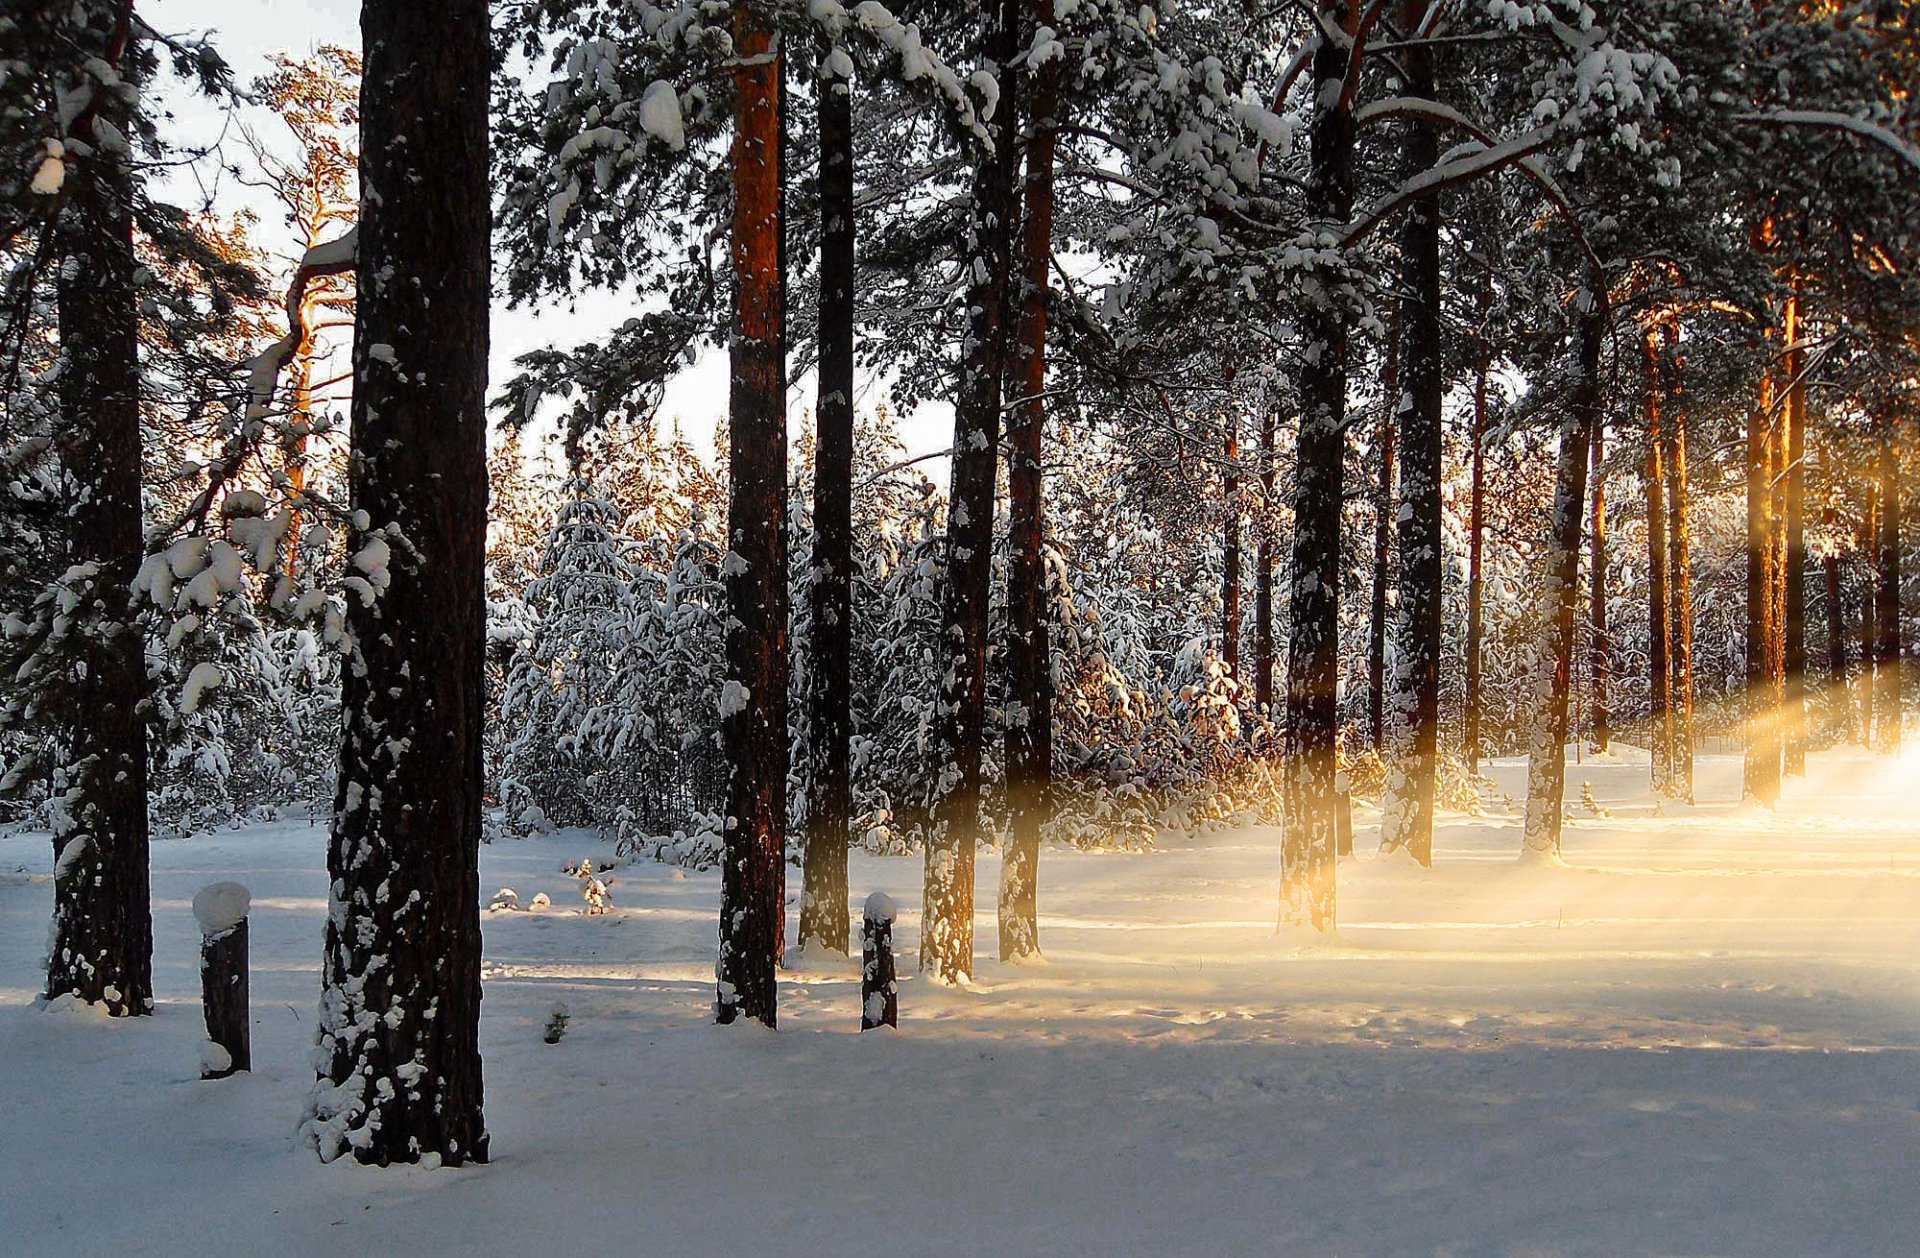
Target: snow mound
x=220 y=906
x=881 y=908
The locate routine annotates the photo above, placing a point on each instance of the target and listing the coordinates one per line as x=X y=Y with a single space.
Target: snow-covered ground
x=1699 y=1038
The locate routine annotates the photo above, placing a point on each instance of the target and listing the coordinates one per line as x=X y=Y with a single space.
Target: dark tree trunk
x=1263 y=575
x=1029 y=722
x=1679 y=582
x=824 y=918
x=1407 y=820
x=1793 y=718
x=223 y=999
x=1887 y=663
x=946 y=938
x=1383 y=542
x=1547 y=758
x=1230 y=554
x=1476 y=533
x=1760 y=777
x=1869 y=609
x=753 y=702
x=1313 y=647
x=1600 y=650
x=400 y=1014
x=1839 y=704
x=101 y=948
x=1659 y=677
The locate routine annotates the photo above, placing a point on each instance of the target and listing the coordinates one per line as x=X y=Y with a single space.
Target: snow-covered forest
x=1338 y=570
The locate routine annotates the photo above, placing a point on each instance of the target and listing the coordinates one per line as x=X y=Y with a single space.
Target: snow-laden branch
x=331 y=257
x=1449 y=174
x=1832 y=121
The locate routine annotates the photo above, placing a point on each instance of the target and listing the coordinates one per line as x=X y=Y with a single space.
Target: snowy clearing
x=1698 y=1038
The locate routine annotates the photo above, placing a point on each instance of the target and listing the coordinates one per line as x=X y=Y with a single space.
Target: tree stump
x=879 y=993
x=221 y=909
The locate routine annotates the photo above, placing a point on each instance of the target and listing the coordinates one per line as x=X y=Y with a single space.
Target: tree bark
x=1760 y=776
x=1407 y=818
x=101 y=947
x=1029 y=720
x=753 y=701
x=1679 y=579
x=1794 y=574
x=1383 y=542
x=1476 y=535
x=946 y=939
x=400 y=1010
x=1869 y=608
x=1547 y=757
x=1887 y=662
x=1659 y=676
x=825 y=921
x=1313 y=655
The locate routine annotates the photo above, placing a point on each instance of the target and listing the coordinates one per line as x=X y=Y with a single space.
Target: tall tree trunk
x=1679 y=578
x=400 y=1012
x=1869 y=608
x=101 y=947
x=1600 y=649
x=1383 y=542
x=1230 y=553
x=1839 y=706
x=946 y=940
x=1476 y=541
x=1659 y=678
x=1313 y=646
x=1760 y=776
x=1888 y=665
x=1263 y=574
x=1407 y=818
x=1547 y=757
x=1029 y=720
x=824 y=918
x=1794 y=556
x=753 y=701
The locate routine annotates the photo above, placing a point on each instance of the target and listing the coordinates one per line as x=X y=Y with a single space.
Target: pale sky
x=248 y=31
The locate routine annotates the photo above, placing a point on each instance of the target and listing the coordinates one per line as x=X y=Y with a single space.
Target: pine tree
x=399 y=1055
x=753 y=702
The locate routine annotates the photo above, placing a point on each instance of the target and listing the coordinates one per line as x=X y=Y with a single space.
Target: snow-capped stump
x=879 y=993
x=221 y=909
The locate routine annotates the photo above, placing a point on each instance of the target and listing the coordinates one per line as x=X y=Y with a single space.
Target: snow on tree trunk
x=824 y=917
x=101 y=946
x=1547 y=756
x=1760 y=777
x=1406 y=819
x=399 y=1054
x=753 y=699
x=1679 y=583
x=1313 y=648
x=1886 y=654
x=1029 y=707
x=946 y=936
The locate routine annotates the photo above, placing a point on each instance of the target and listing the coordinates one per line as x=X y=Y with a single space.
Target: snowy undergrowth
x=1700 y=1036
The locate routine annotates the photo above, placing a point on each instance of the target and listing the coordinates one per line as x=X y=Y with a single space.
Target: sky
x=247 y=32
